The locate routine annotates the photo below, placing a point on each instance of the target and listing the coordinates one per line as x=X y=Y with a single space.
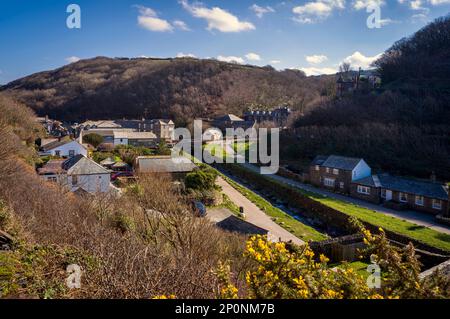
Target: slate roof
x=55 y=144
x=229 y=118
x=134 y=135
x=371 y=181
x=80 y=165
x=224 y=219
x=53 y=167
x=124 y=124
x=108 y=161
x=339 y=162
x=237 y=225
x=319 y=160
x=164 y=164
x=406 y=185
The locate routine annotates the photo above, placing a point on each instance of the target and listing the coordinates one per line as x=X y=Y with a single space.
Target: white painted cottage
x=77 y=173
x=64 y=148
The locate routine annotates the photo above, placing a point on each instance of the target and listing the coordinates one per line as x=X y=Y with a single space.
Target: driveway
x=256 y=216
x=408 y=215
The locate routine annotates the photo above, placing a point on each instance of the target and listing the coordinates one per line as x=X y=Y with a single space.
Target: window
x=363 y=190
x=71 y=153
x=317 y=168
x=403 y=197
x=74 y=180
x=52 y=179
x=383 y=193
x=437 y=204
x=329 y=182
x=342 y=185
x=328 y=169
x=58 y=153
x=419 y=200
x=335 y=171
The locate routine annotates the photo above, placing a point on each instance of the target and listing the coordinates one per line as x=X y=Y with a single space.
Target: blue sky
x=313 y=35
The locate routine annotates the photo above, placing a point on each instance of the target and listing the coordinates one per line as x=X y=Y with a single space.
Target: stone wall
x=310 y=208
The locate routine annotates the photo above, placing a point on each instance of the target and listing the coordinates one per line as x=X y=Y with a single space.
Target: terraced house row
x=353 y=177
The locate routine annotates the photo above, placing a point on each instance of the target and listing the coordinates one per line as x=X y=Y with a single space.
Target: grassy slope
x=285 y=220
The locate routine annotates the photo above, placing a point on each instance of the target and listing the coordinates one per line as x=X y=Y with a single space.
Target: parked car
x=116 y=175
x=199 y=208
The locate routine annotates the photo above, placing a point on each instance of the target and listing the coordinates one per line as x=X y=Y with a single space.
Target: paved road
x=418 y=218
x=256 y=216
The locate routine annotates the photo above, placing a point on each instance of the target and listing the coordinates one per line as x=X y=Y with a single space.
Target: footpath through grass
x=283 y=219
x=292 y=225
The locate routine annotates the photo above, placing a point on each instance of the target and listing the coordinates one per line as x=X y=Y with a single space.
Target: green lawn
x=420 y=233
x=285 y=220
x=358 y=266
x=228 y=204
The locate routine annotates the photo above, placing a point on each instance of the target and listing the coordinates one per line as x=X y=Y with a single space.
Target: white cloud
x=439 y=2
x=72 y=59
x=316 y=11
x=253 y=57
x=420 y=18
x=316 y=59
x=231 y=59
x=187 y=55
x=359 y=60
x=181 y=25
x=261 y=11
x=318 y=71
x=217 y=18
x=275 y=62
x=148 y=19
x=419 y=5
x=364 y=4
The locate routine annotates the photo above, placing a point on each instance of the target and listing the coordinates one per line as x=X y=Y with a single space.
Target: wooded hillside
x=404 y=127
x=181 y=89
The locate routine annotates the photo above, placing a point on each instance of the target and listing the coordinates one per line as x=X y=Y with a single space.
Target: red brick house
x=336 y=173
x=425 y=196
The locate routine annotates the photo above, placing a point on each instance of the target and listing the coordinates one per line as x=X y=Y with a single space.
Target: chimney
x=433 y=177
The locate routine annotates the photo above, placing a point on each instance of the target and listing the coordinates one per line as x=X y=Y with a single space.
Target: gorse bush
x=281 y=272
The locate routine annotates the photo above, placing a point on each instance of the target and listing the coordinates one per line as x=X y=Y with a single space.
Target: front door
x=388 y=195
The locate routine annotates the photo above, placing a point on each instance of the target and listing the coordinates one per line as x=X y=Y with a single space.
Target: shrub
x=93 y=139
x=284 y=272
x=203 y=179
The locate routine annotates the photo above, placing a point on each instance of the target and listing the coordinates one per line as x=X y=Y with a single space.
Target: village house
x=77 y=173
x=63 y=148
x=233 y=122
x=162 y=129
x=212 y=135
x=426 y=196
x=147 y=139
x=351 y=81
x=224 y=219
x=53 y=127
x=278 y=117
x=177 y=166
x=336 y=173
